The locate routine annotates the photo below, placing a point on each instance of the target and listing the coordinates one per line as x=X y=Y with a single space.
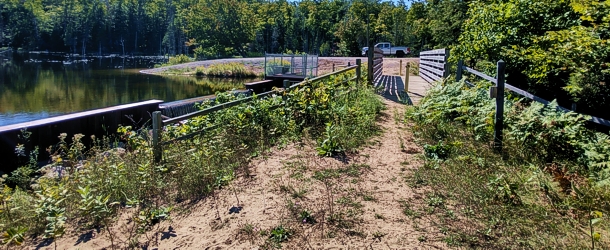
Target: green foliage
x=547 y=153
x=94 y=208
x=50 y=206
x=328 y=144
x=556 y=49
x=542 y=131
x=306 y=217
x=152 y=216
x=280 y=234
x=87 y=186
x=439 y=151
x=14 y=236
x=211 y=29
x=232 y=69
x=22 y=177
x=175 y=60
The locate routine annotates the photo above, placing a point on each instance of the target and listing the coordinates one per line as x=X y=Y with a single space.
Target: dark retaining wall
x=45 y=132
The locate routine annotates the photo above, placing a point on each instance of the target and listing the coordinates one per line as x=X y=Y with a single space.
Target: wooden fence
x=158 y=123
x=433 y=64
x=375 y=64
x=497 y=92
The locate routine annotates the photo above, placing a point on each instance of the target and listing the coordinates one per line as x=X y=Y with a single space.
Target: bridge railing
x=433 y=64
x=158 y=123
x=375 y=64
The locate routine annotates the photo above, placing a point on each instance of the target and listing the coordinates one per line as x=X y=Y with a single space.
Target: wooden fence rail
x=158 y=123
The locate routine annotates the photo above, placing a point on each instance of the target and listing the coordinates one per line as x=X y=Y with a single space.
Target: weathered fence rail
x=158 y=123
x=433 y=64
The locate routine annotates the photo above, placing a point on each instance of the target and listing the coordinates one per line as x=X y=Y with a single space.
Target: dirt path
x=323 y=203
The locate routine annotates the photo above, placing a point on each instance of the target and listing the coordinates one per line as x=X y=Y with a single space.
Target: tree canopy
x=557 y=49
x=206 y=27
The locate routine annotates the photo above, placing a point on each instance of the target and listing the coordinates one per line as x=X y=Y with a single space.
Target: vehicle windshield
x=379 y=46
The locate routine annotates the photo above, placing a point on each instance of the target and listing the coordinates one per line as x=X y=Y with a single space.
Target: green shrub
x=232 y=69
x=175 y=60
x=556 y=49
x=254 y=54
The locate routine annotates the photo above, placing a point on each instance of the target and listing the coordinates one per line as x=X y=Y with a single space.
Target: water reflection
x=39 y=86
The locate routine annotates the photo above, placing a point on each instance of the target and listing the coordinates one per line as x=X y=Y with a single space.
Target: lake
x=35 y=86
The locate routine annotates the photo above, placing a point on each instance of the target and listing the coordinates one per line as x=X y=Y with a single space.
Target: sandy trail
x=361 y=208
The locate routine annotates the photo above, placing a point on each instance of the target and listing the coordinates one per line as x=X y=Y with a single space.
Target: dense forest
x=211 y=28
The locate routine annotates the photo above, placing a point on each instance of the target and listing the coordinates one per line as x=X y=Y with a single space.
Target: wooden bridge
x=403 y=88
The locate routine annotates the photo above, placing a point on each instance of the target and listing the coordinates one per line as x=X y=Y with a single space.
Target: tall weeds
x=87 y=186
x=549 y=188
x=231 y=69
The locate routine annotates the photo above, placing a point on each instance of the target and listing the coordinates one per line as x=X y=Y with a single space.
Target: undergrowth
x=232 y=69
x=547 y=189
x=174 y=60
x=87 y=187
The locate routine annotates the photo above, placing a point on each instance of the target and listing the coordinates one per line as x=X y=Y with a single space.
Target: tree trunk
x=123 y=45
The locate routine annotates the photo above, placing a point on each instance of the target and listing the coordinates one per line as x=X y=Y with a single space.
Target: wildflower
x=20 y=150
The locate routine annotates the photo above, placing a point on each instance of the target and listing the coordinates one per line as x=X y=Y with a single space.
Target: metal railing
x=158 y=123
x=303 y=65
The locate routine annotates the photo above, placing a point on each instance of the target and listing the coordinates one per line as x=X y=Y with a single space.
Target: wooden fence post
x=333 y=67
x=499 y=122
x=371 y=52
x=358 y=70
x=286 y=84
x=157 y=126
x=407 y=70
x=458 y=73
x=400 y=69
x=446 y=63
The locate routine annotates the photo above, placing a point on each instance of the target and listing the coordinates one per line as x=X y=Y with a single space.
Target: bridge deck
x=392 y=87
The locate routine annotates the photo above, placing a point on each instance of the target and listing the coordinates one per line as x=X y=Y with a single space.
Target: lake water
x=35 y=86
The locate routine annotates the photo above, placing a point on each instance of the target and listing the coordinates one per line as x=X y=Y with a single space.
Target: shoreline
x=256 y=64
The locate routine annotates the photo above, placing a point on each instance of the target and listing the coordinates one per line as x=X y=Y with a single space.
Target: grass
x=88 y=186
x=232 y=69
x=175 y=60
x=481 y=199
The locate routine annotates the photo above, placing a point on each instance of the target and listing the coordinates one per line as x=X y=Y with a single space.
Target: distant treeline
x=212 y=28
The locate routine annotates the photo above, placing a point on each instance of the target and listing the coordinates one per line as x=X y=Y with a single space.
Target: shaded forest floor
x=298 y=200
